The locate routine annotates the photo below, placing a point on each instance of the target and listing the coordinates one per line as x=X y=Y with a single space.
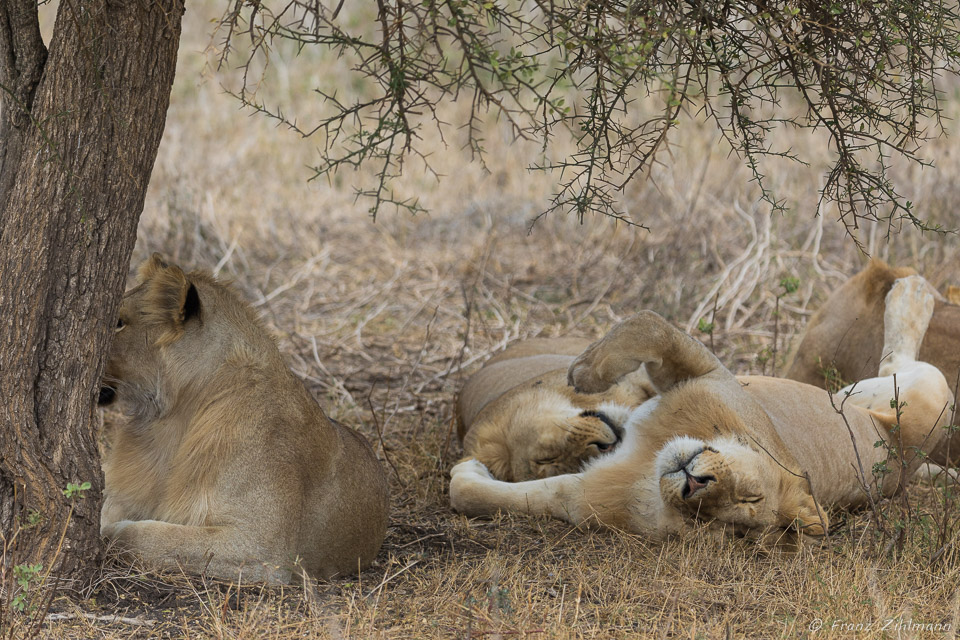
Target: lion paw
x=584 y=374
x=468 y=481
x=112 y=530
x=585 y=380
x=470 y=467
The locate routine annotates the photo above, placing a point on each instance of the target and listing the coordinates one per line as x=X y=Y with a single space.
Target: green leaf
x=789 y=284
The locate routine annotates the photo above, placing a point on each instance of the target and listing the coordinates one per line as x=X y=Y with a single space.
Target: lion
x=844 y=339
x=764 y=456
x=518 y=416
x=226 y=464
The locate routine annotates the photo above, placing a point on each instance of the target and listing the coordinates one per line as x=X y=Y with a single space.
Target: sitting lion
x=845 y=338
x=227 y=465
x=749 y=452
x=518 y=416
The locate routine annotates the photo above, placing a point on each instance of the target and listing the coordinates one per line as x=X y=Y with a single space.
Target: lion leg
x=910 y=407
x=909 y=308
x=221 y=552
x=474 y=492
x=669 y=354
x=910 y=397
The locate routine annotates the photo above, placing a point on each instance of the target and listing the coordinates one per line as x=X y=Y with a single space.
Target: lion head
x=542 y=433
x=727 y=480
x=172 y=328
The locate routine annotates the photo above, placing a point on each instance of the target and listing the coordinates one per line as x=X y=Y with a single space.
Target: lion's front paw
x=585 y=375
x=470 y=468
x=468 y=480
x=112 y=530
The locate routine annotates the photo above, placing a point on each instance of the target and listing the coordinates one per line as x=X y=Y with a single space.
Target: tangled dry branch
x=866 y=73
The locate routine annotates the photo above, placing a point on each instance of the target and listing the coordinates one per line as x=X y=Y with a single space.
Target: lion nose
x=695 y=483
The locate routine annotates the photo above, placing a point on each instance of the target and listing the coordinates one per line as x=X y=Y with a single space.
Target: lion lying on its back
x=748 y=452
x=518 y=416
x=227 y=464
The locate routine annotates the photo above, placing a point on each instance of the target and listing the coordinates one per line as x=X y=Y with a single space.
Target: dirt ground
x=383 y=320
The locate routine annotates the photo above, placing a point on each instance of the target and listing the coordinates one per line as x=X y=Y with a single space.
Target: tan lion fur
x=952 y=294
x=226 y=464
x=519 y=417
x=750 y=452
x=845 y=338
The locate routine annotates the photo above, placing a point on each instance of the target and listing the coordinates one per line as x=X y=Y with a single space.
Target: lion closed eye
x=730 y=482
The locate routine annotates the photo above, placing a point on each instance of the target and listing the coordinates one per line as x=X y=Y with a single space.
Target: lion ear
x=801 y=512
x=496 y=457
x=488 y=446
x=171 y=300
x=191 y=304
x=149 y=267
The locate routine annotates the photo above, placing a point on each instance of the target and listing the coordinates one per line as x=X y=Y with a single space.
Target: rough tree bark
x=79 y=129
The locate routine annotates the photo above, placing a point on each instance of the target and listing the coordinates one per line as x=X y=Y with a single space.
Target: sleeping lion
x=518 y=416
x=750 y=452
x=845 y=337
x=227 y=465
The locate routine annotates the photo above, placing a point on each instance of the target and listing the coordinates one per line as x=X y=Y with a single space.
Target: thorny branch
x=865 y=73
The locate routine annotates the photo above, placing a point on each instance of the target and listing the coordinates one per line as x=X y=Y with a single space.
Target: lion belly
x=818 y=437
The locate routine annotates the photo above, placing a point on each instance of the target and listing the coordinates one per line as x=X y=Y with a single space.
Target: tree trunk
x=79 y=131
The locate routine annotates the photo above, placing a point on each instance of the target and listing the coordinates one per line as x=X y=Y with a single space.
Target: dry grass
x=383 y=320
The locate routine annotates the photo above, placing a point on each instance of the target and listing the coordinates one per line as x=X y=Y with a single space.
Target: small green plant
x=789 y=285
x=762 y=358
x=490 y=615
x=705 y=327
x=880 y=469
x=27 y=588
x=902 y=517
x=25 y=575
x=498 y=600
x=75 y=490
x=34 y=518
x=831 y=376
